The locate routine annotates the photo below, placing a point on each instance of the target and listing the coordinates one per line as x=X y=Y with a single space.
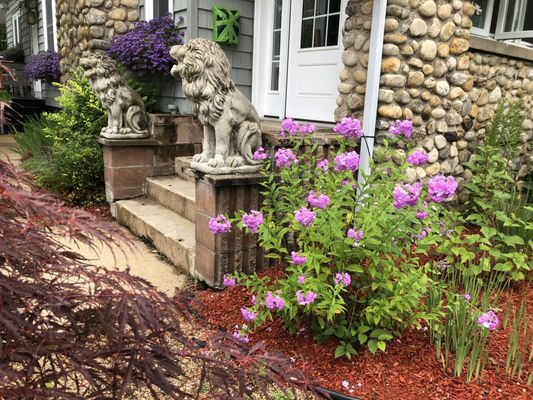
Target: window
x=142 y=10
x=320 y=23
x=504 y=19
x=276 y=45
x=17 y=29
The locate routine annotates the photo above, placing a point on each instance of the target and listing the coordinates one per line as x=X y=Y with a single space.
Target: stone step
x=183 y=168
x=174 y=193
x=170 y=233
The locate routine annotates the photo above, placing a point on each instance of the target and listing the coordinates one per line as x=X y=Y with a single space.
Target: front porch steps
x=166 y=217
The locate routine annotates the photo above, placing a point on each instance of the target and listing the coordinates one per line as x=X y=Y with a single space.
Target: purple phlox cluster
x=238 y=333
x=248 y=315
x=219 y=224
x=343 y=277
x=304 y=216
x=252 y=220
x=348 y=161
x=44 y=66
x=355 y=235
x=274 y=302
x=298 y=260
x=441 y=188
x=303 y=300
x=418 y=157
x=422 y=213
x=320 y=201
x=489 y=320
x=467 y=296
x=349 y=128
x=406 y=195
x=301 y=279
x=288 y=125
x=146 y=48
x=402 y=127
x=422 y=234
x=307 y=129
x=260 y=154
x=284 y=158
x=323 y=165
x=228 y=281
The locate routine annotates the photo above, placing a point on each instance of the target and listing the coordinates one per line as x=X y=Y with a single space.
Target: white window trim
x=485 y=31
x=502 y=13
x=45 y=25
x=17 y=29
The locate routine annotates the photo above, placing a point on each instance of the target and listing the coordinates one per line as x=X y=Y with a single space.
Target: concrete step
x=171 y=234
x=174 y=193
x=183 y=168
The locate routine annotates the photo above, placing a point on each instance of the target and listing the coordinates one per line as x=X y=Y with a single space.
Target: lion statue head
x=101 y=70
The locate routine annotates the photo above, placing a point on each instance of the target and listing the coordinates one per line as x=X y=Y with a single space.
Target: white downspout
x=379 y=13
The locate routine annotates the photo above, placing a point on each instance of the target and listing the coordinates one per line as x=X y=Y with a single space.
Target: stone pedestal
x=217 y=255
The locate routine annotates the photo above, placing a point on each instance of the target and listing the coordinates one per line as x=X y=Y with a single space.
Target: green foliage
x=520 y=338
x=66 y=156
x=506 y=127
x=148 y=88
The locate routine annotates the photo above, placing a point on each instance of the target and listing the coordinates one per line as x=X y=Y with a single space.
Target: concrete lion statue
x=230 y=121
x=125 y=108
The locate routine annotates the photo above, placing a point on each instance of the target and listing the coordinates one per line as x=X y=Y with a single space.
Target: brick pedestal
x=217 y=255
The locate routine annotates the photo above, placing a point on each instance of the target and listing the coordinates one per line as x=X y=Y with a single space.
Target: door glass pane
x=320 y=32
x=334 y=6
x=308 y=8
x=278 y=4
x=274 y=82
x=276 y=45
x=321 y=7
x=307 y=34
x=333 y=30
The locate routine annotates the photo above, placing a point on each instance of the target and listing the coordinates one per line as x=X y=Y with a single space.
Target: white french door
x=298 y=58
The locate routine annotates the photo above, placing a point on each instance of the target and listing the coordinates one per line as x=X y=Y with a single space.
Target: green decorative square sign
x=225 y=25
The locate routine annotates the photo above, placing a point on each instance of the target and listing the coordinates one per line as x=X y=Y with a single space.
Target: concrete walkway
x=140 y=258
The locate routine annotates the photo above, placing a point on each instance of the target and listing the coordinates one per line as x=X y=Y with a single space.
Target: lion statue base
x=230 y=121
x=126 y=114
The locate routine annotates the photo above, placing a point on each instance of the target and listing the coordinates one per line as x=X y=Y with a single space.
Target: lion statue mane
x=231 y=124
x=126 y=114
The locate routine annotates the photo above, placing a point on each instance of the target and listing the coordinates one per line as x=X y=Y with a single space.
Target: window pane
x=333 y=30
x=276 y=44
x=479 y=20
x=334 y=6
x=308 y=8
x=277 y=14
x=519 y=16
x=320 y=32
x=321 y=7
x=274 y=83
x=307 y=34
x=528 y=19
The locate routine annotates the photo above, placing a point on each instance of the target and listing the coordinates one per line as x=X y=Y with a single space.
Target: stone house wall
x=430 y=75
x=84 y=24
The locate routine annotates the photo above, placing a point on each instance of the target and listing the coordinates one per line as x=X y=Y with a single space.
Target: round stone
x=443 y=50
x=390 y=49
x=359 y=76
x=438 y=113
x=386 y=95
x=345 y=88
x=390 y=64
x=415 y=62
x=415 y=79
x=434 y=29
x=349 y=57
x=393 y=80
x=440 y=142
x=418 y=27
x=459 y=46
x=444 y=11
x=456 y=93
x=447 y=31
x=120 y=27
x=433 y=155
x=433 y=169
x=442 y=88
x=396 y=38
x=427 y=9
x=117 y=13
x=428 y=50
x=390 y=111
x=391 y=24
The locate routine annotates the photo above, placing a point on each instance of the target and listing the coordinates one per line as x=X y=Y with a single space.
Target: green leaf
x=340 y=351
x=362 y=338
x=381 y=345
x=373 y=346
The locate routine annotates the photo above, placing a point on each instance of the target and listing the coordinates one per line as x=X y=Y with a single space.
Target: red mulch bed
x=408 y=370
x=100 y=210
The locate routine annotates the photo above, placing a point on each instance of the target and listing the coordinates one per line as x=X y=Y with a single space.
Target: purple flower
x=441 y=188
x=320 y=201
x=146 y=48
x=488 y=320
x=323 y=165
x=307 y=129
x=406 y=195
x=467 y=296
x=274 y=302
x=289 y=126
x=304 y=217
x=259 y=154
x=418 y=157
x=348 y=161
x=305 y=299
x=228 y=282
x=422 y=214
x=284 y=158
x=421 y=235
x=219 y=224
x=248 y=315
x=343 y=277
x=349 y=128
x=252 y=220
x=301 y=279
x=402 y=127
x=355 y=235
x=44 y=66
x=298 y=260
x=237 y=334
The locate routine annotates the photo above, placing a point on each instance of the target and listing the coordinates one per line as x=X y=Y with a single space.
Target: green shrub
x=66 y=156
x=32 y=140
